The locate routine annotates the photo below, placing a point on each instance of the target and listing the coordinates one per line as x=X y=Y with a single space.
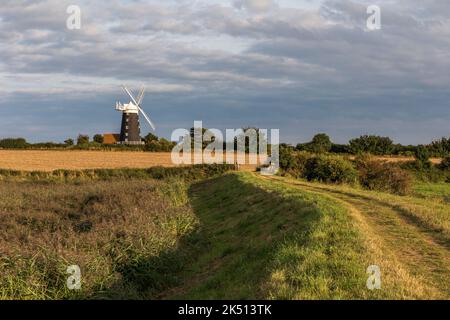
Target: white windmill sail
x=137 y=103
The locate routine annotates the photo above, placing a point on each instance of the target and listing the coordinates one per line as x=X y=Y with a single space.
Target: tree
x=372 y=144
x=99 y=138
x=13 y=143
x=320 y=143
x=194 y=131
x=150 y=137
x=166 y=145
x=339 y=148
x=69 y=142
x=82 y=139
x=440 y=148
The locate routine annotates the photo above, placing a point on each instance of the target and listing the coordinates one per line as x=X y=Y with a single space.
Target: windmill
x=130 y=130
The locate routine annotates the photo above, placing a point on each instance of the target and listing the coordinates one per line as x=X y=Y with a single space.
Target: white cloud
x=254 y=5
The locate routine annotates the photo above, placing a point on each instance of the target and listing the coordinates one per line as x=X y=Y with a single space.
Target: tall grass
x=118 y=226
x=100 y=226
x=188 y=172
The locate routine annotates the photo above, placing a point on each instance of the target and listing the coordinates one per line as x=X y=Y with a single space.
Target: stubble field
x=50 y=160
x=31 y=160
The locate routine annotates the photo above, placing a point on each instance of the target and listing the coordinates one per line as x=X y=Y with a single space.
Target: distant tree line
x=84 y=142
x=376 y=145
x=320 y=143
x=242 y=135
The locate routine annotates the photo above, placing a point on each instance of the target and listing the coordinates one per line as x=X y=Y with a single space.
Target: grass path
x=259 y=240
x=406 y=247
x=274 y=238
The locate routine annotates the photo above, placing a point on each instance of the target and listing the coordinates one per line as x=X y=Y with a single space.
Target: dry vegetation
x=107 y=228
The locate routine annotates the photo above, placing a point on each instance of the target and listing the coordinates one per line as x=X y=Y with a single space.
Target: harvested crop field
x=401 y=159
x=31 y=160
x=46 y=160
x=405 y=159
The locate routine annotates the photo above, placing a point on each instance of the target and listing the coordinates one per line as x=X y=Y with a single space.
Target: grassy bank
x=408 y=237
x=222 y=236
x=261 y=240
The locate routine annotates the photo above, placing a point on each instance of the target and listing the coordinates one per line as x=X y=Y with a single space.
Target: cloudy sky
x=303 y=66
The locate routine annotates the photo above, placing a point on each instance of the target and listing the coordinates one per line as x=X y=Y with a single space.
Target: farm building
x=111 y=138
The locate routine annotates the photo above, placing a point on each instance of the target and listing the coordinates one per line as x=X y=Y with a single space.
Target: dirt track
x=403 y=246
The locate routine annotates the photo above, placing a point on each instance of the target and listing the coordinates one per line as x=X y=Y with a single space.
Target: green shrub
x=445 y=164
x=188 y=173
x=330 y=169
x=293 y=163
x=383 y=176
x=426 y=173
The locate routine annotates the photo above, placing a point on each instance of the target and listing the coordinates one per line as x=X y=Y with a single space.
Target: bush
x=187 y=173
x=429 y=173
x=293 y=163
x=445 y=164
x=330 y=169
x=383 y=176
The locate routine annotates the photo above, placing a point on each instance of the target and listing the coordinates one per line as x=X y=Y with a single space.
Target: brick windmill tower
x=130 y=132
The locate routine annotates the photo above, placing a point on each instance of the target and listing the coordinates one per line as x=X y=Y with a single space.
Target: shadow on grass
x=231 y=253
